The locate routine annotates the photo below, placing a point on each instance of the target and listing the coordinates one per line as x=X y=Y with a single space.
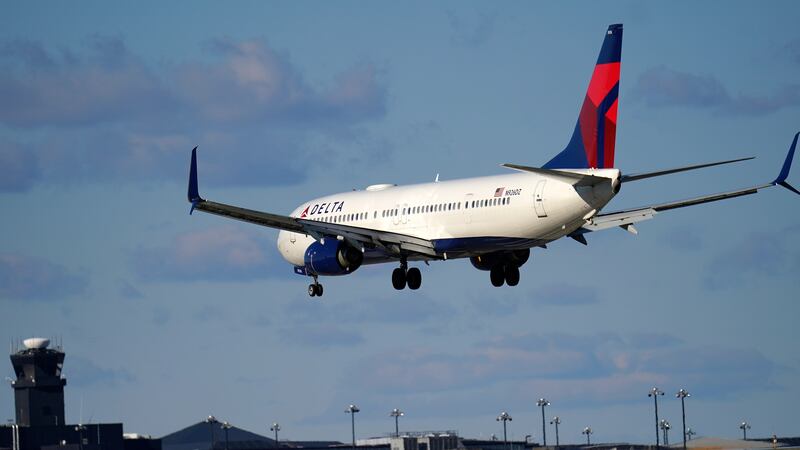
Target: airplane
x=494 y=221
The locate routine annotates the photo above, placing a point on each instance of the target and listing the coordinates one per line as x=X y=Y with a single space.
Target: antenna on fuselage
x=437 y=178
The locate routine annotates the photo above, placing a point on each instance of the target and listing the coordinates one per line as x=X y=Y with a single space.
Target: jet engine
x=332 y=257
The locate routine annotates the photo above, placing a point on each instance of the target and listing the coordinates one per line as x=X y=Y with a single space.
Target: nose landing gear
x=315 y=289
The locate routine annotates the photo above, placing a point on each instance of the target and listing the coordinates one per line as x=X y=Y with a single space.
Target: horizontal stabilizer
x=575 y=179
x=641 y=176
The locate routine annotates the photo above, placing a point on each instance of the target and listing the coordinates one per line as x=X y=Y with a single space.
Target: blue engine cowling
x=514 y=258
x=332 y=257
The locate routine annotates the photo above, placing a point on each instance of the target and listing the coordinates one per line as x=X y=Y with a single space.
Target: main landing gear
x=315 y=289
x=403 y=276
x=504 y=273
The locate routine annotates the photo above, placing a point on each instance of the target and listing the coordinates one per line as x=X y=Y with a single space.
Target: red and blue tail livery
x=592 y=143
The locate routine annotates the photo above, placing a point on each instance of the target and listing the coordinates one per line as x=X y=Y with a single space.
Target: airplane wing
x=626 y=218
x=393 y=243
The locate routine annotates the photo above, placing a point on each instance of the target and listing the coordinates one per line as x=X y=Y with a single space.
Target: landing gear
x=512 y=275
x=414 y=278
x=403 y=276
x=399 y=278
x=507 y=274
x=315 y=289
x=497 y=276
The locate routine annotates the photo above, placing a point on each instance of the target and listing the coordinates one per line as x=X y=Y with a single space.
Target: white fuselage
x=472 y=216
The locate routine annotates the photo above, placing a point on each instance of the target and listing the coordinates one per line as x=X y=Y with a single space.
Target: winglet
x=193 y=193
x=787 y=164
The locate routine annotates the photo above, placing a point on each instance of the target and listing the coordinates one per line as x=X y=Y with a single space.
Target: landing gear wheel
x=399 y=278
x=414 y=278
x=315 y=289
x=497 y=276
x=512 y=275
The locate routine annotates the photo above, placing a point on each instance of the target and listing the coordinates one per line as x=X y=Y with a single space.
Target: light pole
x=665 y=426
x=588 y=432
x=80 y=429
x=655 y=392
x=211 y=420
x=505 y=418
x=352 y=410
x=556 y=421
x=226 y=426
x=690 y=433
x=396 y=413
x=744 y=427
x=542 y=403
x=682 y=394
x=275 y=427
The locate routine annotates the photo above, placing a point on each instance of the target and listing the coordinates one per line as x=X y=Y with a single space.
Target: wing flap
x=628 y=217
x=619 y=219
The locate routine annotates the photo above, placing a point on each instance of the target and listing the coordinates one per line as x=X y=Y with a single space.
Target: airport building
x=39 y=408
x=41 y=424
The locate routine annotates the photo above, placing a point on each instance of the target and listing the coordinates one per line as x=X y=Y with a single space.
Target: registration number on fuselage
x=510 y=192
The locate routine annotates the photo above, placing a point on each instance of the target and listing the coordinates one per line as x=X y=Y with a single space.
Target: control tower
x=39 y=387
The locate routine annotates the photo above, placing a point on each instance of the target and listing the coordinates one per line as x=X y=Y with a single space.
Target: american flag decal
x=499 y=192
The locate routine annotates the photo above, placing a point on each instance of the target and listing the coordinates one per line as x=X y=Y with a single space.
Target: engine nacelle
x=514 y=258
x=332 y=257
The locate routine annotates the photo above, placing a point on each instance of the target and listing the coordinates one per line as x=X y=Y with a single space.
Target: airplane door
x=538 y=199
x=404 y=213
x=468 y=208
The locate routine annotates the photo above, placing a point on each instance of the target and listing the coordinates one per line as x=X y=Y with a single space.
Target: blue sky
x=167 y=318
